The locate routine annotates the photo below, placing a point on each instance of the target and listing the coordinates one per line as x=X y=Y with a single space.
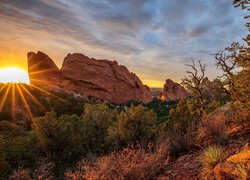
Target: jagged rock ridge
x=172 y=91
x=103 y=79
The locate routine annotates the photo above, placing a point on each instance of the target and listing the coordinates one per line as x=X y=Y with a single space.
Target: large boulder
x=236 y=166
x=103 y=79
x=172 y=91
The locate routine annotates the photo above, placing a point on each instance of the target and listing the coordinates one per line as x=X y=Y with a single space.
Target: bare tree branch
x=193 y=82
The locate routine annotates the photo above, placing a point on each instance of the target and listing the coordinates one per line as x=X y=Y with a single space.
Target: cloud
x=144 y=35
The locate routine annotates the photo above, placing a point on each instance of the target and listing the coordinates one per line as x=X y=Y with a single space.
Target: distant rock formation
x=172 y=91
x=213 y=89
x=103 y=79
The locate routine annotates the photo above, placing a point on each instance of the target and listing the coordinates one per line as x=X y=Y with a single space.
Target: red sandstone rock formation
x=99 y=78
x=172 y=91
x=42 y=69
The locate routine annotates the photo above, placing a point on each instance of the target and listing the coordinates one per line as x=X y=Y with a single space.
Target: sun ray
x=4 y=98
x=36 y=64
x=32 y=97
x=42 y=81
x=2 y=88
x=42 y=71
x=24 y=102
x=46 y=92
x=13 y=100
x=27 y=106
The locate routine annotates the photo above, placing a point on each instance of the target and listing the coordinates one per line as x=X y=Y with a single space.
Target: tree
x=236 y=58
x=243 y=58
x=227 y=61
x=97 y=118
x=62 y=139
x=22 y=150
x=4 y=165
x=181 y=117
x=193 y=82
x=134 y=125
x=69 y=138
x=243 y=3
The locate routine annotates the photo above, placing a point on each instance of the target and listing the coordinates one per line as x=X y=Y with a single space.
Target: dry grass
x=180 y=142
x=214 y=128
x=222 y=124
x=243 y=171
x=239 y=119
x=211 y=156
x=44 y=170
x=216 y=125
x=21 y=174
x=130 y=163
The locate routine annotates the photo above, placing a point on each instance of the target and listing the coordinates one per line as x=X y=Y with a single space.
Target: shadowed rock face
x=42 y=69
x=99 y=78
x=172 y=91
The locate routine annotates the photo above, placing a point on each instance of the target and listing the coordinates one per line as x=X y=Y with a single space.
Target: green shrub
x=162 y=108
x=22 y=150
x=11 y=129
x=61 y=138
x=97 y=119
x=4 y=166
x=68 y=106
x=136 y=124
x=181 y=117
x=69 y=138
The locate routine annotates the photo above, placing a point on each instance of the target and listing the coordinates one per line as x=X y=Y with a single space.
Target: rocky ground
x=187 y=167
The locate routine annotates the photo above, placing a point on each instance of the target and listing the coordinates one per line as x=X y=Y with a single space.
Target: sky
x=153 y=38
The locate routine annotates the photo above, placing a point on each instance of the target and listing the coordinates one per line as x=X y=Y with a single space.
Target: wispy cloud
x=153 y=38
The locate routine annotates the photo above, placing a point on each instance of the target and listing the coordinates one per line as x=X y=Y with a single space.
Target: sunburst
x=18 y=85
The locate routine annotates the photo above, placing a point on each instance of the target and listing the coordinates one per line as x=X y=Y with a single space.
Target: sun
x=14 y=75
